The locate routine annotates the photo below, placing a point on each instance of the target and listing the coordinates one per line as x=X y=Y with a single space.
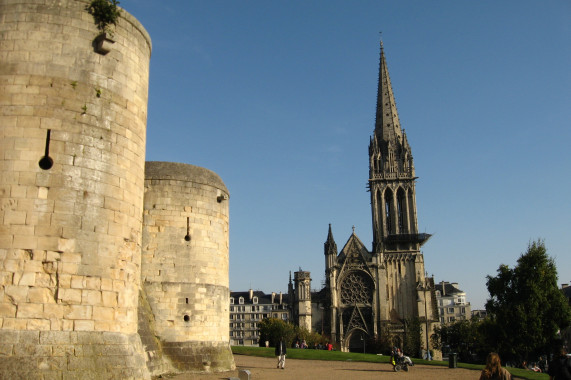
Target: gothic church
x=376 y=293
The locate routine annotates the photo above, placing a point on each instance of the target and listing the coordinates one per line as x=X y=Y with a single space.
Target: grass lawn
x=298 y=353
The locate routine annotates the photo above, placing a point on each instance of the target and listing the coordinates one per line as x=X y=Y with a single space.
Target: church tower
x=392 y=176
x=375 y=294
x=302 y=300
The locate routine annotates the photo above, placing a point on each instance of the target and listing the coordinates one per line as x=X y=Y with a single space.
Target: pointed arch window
x=401 y=206
x=378 y=215
x=388 y=211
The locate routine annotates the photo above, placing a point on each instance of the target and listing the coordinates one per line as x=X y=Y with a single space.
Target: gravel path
x=265 y=368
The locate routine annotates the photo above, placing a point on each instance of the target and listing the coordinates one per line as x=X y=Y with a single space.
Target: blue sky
x=278 y=98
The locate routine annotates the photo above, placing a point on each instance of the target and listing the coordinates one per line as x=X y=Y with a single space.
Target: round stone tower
x=73 y=112
x=185 y=264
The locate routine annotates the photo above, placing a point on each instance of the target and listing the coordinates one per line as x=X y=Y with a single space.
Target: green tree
x=526 y=307
x=413 y=337
x=271 y=329
x=464 y=337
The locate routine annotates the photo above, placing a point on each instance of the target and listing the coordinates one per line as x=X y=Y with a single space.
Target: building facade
x=452 y=303
x=371 y=293
x=248 y=309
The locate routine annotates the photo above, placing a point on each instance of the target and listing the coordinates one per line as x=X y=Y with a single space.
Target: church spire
x=387 y=124
x=389 y=152
x=330 y=247
x=391 y=175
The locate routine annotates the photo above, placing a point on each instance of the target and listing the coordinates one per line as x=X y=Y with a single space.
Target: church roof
x=354 y=245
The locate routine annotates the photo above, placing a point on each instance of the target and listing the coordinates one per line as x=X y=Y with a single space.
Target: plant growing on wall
x=105 y=13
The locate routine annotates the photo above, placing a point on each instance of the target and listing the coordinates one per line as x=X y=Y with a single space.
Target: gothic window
x=388 y=211
x=378 y=215
x=411 y=207
x=357 y=288
x=401 y=210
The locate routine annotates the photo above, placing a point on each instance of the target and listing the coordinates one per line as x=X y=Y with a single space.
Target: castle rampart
x=72 y=150
x=185 y=264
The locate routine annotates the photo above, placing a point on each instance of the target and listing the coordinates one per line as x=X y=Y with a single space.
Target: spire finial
x=381 y=37
x=353 y=229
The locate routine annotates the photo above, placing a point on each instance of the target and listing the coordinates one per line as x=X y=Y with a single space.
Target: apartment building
x=248 y=309
x=452 y=304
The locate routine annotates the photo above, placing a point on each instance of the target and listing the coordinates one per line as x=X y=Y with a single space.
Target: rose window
x=356 y=289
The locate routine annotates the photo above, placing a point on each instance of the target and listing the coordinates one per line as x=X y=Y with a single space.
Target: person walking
x=281 y=351
x=494 y=370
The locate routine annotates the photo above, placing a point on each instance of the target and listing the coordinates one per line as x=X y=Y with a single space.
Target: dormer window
x=255 y=300
x=241 y=300
x=231 y=300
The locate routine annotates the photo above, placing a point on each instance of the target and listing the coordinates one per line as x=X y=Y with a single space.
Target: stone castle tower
x=72 y=150
x=300 y=296
x=382 y=289
x=185 y=263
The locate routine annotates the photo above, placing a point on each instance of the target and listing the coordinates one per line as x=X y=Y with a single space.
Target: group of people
x=559 y=368
x=302 y=345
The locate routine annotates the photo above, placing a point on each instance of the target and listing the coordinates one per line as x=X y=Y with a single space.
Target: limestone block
x=7 y=310
x=38 y=324
x=103 y=313
x=30 y=310
x=53 y=310
x=69 y=296
x=18 y=294
x=91 y=297
x=78 y=312
x=40 y=295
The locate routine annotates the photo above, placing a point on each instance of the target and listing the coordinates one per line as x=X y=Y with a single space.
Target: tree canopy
x=526 y=307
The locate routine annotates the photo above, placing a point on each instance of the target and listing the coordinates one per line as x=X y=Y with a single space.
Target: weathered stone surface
x=72 y=203
x=69 y=227
x=185 y=263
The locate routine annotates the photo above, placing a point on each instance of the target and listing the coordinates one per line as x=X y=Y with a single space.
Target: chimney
x=281 y=299
x=443 y=288
x=273 y=296
x=251 y=294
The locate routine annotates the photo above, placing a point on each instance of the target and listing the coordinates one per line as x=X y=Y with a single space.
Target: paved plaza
x=265 y=368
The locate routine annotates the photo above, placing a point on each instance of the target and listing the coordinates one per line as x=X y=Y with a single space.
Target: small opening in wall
x=187 y=237
x=46 y=162
x=186 y=318
x=187 y=300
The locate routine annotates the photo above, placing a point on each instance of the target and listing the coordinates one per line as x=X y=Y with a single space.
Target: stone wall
x=72 y=151
x=185 y=264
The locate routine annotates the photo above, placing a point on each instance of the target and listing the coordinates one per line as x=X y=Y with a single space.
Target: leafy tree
x=311 y=338
x=526 y=307
x=271 y=329
x=413 y=337
x=464 y=337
